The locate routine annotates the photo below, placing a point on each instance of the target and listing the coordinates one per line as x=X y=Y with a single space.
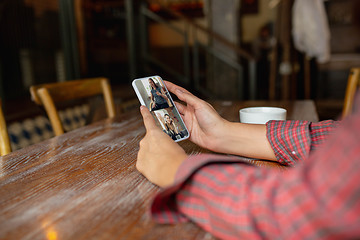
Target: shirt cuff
x=290 y=140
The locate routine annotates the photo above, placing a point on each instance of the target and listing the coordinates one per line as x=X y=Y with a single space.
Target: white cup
x=261 y=115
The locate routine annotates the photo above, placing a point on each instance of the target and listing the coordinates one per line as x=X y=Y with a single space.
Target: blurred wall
x=251 y=23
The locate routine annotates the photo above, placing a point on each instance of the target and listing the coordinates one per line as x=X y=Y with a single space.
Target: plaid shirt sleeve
x=318 y=199
x=292 y=141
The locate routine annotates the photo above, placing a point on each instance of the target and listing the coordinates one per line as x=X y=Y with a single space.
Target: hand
x=205 y=125
x=209 y=130
x=159 y=157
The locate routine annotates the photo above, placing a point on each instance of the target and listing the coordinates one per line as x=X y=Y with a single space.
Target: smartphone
x=153 y=94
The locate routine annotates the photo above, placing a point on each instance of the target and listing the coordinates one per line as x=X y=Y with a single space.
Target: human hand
x=205 y=125
x=209 y=130
x=159 y=157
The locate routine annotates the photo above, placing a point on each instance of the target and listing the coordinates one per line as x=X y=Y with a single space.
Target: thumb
x=148 y=119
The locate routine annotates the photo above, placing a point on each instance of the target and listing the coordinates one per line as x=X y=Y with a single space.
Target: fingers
x=188 y=98
x=183 y=94
x=180 y=107
x=172 y=87
x=149 y=121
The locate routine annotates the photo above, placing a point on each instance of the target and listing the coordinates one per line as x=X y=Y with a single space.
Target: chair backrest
x=352 y=85
x=48 y=94
x=5 y=146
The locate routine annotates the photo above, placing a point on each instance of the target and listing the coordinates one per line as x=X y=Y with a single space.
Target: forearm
x=232 y=199
x=287 y=142
x=245 y=140
x=238 y=201
x=220 y=200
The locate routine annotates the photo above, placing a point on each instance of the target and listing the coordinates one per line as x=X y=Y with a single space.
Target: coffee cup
x=261 y=115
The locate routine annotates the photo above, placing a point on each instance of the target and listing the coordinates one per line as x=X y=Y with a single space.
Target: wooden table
x=84 y=184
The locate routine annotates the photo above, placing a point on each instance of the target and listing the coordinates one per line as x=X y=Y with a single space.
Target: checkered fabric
x=34 y=130
x=73 y=118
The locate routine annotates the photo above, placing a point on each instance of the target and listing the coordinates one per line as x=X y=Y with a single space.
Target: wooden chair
x=352 y=85
x=48 y=94
x=5 y=146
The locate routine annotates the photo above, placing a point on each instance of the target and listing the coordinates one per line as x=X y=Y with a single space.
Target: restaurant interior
x=233 y=50
x=77 y=169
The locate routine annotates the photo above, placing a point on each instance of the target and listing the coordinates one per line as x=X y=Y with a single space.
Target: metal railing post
x=131 y=37
x=69 y=39
x=252 y=79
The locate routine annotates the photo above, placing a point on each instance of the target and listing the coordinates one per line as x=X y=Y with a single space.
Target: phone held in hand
x=153 y=94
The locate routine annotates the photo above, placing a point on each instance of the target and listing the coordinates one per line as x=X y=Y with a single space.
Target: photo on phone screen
x=153 y=94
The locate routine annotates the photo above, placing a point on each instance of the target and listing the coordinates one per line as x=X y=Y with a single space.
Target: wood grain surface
x=84 y=184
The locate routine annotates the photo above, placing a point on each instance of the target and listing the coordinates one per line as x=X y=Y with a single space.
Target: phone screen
x=153 y=94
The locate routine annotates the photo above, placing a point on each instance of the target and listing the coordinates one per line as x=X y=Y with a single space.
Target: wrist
x=226 y=138
x=170 y=172
x=245 y=140
x=217 y=140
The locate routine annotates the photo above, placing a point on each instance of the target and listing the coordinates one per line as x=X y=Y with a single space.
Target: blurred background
x=219 y=49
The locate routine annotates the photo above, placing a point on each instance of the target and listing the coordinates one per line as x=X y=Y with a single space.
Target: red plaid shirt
x=317 y=199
